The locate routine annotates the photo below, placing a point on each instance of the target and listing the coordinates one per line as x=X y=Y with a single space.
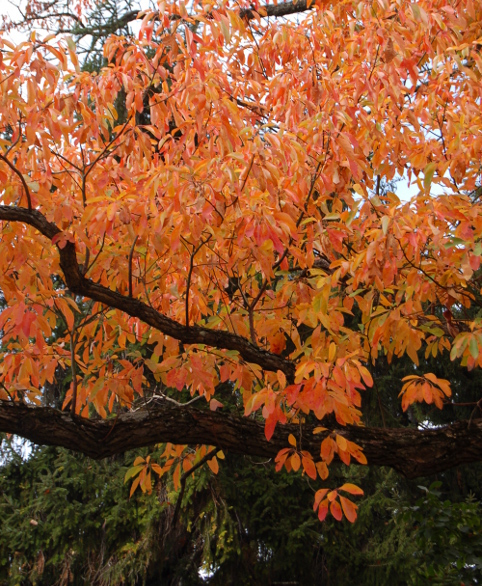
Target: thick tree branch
x=278 y=10
x=80 y=285
x=273 y=10
x=411 y=452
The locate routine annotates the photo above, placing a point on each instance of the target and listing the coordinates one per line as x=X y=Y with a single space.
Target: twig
x=189 y=275
x=17 y=139
x=419 y=268
x=86 y=260
x=184 y=477
x=251 y=325
x=131 y=254
x=22 y=179
x=477 y=406
x=106 y=148
x=374 y=64
x=286 y=250
x=166 y=398
x=74 y=373
x=8 y=392
x=96 y=256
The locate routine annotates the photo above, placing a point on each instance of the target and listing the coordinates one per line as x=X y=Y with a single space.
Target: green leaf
x=428 y=174
x=474 y=347
x=134 y=471
x=454 y=242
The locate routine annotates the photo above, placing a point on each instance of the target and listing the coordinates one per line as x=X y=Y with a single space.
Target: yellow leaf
x=319 y=430
x=332 y=352
x=341 y=441
x=295 y=462
x=135 y=484
x=214 y=465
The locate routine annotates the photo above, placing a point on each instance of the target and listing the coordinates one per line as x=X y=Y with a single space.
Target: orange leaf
x=351 y=488
x=319 y=496
x=215 y=404
x=335 y=510
x=213 y=465
x=322 y=470
x=270 y=425
x=349 y=509
x=319 y=430
x=295 y=462
x=309 y=467
x=135 y=484
x=327 y=450
x=341 y=441
x=176 y=477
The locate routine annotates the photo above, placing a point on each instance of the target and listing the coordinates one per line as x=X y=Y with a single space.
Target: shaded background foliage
x=69 y=520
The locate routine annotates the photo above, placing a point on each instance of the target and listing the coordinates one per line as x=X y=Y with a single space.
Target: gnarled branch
x=411 y=452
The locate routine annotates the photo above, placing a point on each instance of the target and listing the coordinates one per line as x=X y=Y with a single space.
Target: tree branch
x=209 y=456
x=273 y=10
x=80 y=285
x=277 y=10
x=131 y=254
x=409 y=451
x=22 y=179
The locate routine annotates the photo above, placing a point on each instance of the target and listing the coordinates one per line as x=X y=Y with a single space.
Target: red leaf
x=270 y=425
x=319 y=496
x=335 y=510
x=215 y=404
x=323 y=510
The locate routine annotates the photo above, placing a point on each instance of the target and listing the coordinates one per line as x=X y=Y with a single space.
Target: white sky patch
x=21 y=446
x=406 y=190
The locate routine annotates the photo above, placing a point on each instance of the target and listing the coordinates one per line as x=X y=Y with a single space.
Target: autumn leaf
x=213 y=465
x=319 y=496
x=295 y=462
x=292 y=440
x=351 y=488
x=335 y=510
x=215 y=404
x=309 y=467
x=349 y=508
x=191 y=222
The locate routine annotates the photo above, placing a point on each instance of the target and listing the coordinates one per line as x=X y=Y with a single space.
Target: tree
x=248 y=524
x=234 y=241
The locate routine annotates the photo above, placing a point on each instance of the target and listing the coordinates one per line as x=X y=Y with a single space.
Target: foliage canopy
x=205 y=218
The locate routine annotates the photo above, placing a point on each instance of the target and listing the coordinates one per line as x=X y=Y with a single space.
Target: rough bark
x=268 y=10
x=278 y=10
x=411 y=452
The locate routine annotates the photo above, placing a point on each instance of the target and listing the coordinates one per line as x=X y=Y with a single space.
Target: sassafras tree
x=227 y=234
